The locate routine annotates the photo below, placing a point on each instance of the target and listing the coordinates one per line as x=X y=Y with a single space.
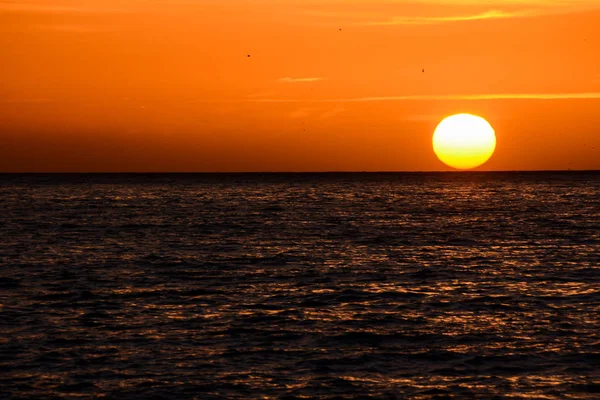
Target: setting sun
x=464 y=141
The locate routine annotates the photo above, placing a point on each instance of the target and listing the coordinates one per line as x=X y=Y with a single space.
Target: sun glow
x=464 y=141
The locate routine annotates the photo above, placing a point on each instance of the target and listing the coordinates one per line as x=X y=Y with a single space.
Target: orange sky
x=151 y=85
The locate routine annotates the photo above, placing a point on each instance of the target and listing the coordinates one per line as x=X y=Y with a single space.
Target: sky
x=294 y=85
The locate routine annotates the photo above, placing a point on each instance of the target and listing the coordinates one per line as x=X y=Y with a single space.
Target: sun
x=464 y=141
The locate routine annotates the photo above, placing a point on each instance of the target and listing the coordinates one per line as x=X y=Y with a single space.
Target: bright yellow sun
x=464 y=141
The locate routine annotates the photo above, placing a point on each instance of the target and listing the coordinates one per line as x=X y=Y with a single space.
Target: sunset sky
x=329 y=85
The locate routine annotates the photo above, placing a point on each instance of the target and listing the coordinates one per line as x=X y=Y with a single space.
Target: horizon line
x=288 y=172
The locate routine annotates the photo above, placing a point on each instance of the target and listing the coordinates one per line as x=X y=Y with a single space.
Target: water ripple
x=422 y=286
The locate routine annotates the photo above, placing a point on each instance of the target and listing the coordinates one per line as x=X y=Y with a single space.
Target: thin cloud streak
x=61 y=9
x=298 y=80
x=25 y=101
x=493 y=96
x=493 y=14
x=541 y=3
x=497 y=9
x=32 y=7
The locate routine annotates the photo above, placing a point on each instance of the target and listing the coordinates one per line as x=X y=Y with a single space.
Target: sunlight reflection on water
x=248 y=286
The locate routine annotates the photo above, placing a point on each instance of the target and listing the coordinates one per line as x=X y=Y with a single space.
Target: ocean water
x=330 y=286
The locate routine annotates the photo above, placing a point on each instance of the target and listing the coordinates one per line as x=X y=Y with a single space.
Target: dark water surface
x=421 y=286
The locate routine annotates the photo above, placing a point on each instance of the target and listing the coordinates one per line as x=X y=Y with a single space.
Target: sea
x=475 y=285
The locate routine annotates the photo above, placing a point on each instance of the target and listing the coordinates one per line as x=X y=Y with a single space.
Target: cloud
x=298 y=80
x=71 y=28
x=332 y=113
x=300 y=113
x=320 y=112
x=428 y=12
x=503 y=9
x=261 y=95
x=491 y=96
x=25 y=101
x=66 y=28
x=492 y=14
x=57 y=16
x=452 y=97
x=57 y=7
x=37 y=7
x=541 y=3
